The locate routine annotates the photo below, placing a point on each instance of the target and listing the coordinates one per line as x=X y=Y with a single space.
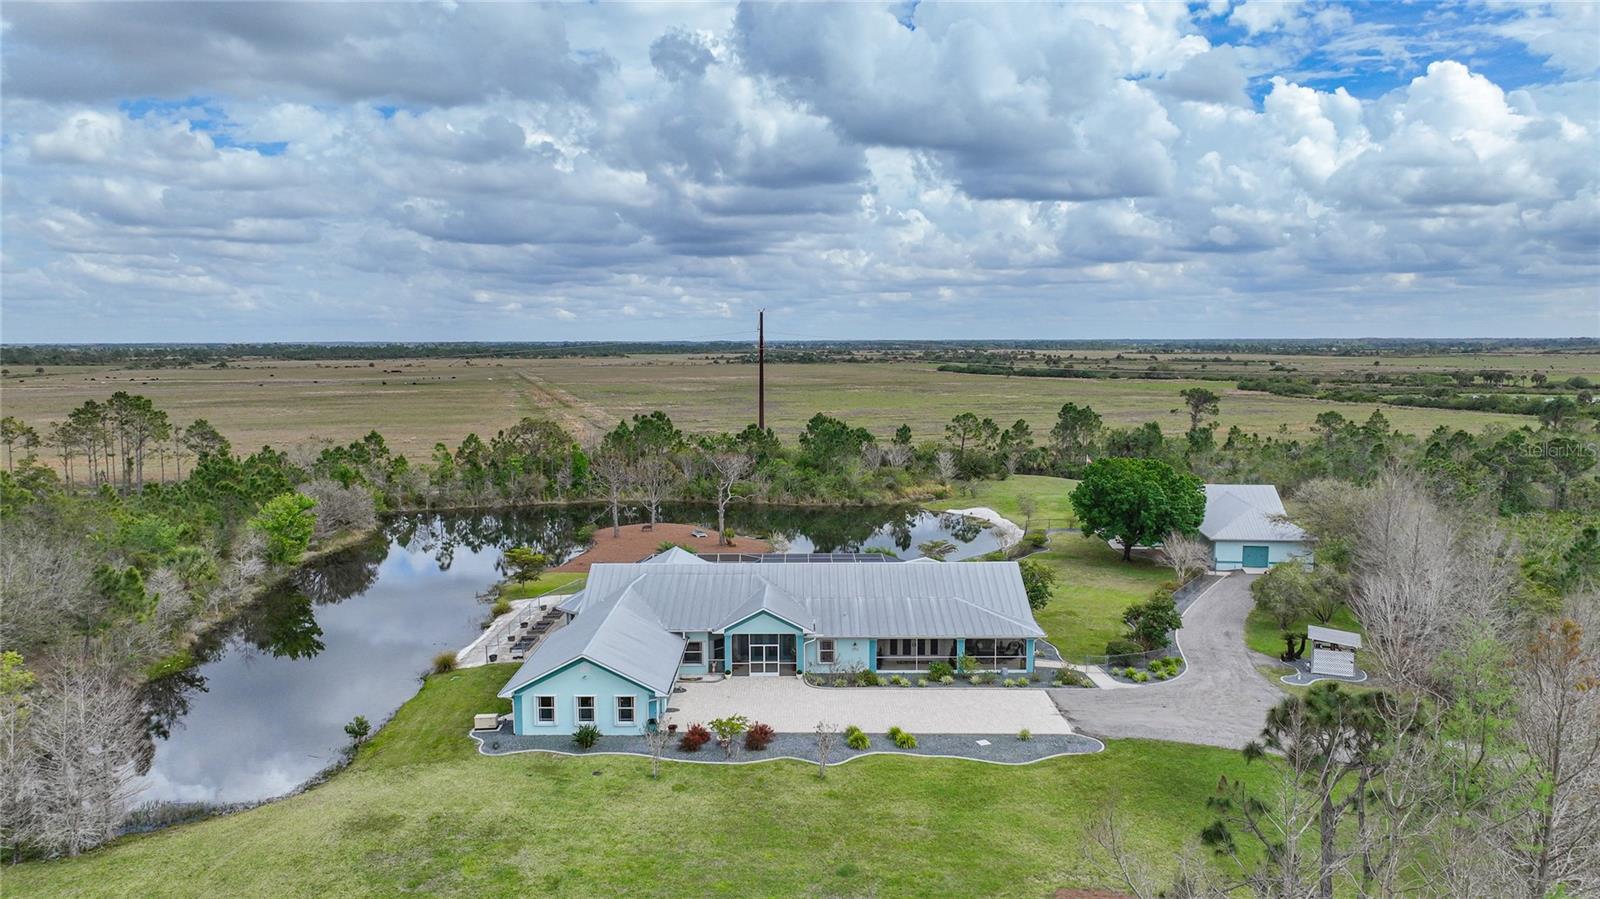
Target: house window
x=585 y=709
x=825 y=654
x=546 y=710
x=624 y=709
x=694 y=653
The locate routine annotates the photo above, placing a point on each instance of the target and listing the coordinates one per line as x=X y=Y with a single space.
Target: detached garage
x=1246 y=526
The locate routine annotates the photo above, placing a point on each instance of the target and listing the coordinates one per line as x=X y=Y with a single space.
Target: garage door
x=1255 y=557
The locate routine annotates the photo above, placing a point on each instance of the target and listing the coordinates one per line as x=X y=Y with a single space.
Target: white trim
x=577 y=710
x=554 y=715
x=616 y=709
x=832 y=649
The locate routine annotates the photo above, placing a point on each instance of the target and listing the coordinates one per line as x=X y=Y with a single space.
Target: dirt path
x=1221 y=700
x=585 y=420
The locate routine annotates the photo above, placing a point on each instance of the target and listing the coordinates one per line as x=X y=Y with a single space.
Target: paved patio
x=790 y=705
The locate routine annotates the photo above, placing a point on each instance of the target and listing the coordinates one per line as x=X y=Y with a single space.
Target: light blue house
x=636 y=628
x=1248 y=528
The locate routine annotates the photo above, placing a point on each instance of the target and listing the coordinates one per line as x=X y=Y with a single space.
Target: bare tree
x=340 y=508
x=898 y=454
x=731 y=468
x=1187 y=556
x=871 y=455
x=827 y=737
x=17 y=775
x=655 y=477
x=1558 y=720
x=945 y=463
x=85 y=735
x=43 y=580
x=614 y=477
x=656 y=741
x=1115 y=860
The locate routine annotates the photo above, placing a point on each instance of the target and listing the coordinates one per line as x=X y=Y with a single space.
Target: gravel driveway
x=792 y=706
x=1221 y=700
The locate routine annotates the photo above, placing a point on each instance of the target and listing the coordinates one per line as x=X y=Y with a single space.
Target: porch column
x=727 y=655
x=872 y=655
x=961 y=649
x=799 y=653
x=1030 y=656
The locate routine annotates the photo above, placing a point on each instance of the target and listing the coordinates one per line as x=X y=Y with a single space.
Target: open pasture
x=416 y=403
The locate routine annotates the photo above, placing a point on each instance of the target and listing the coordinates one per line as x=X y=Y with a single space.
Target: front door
x=1255 y=557
x=764 y=654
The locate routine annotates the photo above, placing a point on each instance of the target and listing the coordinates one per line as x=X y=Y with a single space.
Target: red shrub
x=694 y=738
x=758 y=736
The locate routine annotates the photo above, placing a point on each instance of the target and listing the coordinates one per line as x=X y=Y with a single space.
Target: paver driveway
x=792 y=706
x=1221 y=700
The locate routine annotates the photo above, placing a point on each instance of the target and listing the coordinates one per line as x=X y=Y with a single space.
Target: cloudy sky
x=257 y=171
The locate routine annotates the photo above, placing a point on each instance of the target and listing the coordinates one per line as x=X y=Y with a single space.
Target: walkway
x=1220 y=700
x=793 y=706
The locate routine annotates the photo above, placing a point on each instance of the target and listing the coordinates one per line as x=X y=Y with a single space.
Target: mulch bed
x=637 y=544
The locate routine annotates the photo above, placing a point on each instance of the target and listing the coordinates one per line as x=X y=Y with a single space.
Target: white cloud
x=1073 y=171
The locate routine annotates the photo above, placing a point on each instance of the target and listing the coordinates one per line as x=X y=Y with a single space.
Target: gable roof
x=628 y=640
x=1247 y=512
x=675 y=555
x=774 y=601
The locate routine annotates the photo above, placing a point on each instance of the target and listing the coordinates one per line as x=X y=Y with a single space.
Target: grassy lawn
x=549 y=582
x=1053 y=507
x=1095 y=587
x=420 y=812
x=1262 y=634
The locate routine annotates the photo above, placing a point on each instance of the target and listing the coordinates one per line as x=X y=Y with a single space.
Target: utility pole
x=761 y=369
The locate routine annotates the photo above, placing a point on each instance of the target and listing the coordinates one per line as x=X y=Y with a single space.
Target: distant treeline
x=181 y=354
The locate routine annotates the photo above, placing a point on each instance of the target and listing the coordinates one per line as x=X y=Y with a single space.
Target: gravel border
x=1003 y=749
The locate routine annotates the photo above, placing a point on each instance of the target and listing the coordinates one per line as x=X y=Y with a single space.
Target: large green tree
x=1137 y=501
x=287 y=524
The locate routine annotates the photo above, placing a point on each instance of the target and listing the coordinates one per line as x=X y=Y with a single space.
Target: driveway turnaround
x=790 y=705
x=1220 y=700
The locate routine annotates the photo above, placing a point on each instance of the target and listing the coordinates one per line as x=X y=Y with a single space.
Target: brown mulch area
x=637 y=544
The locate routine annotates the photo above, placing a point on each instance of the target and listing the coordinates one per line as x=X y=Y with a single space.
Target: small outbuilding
x=1248 y=528
x=1333 y=652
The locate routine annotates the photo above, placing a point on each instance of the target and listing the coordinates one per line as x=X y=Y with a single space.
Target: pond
x=265 y=708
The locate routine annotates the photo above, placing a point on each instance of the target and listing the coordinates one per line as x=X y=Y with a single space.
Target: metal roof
x=974 y=599
x=675 y=555
x=1247 y=512
x=627 y=639
x=1331 y=635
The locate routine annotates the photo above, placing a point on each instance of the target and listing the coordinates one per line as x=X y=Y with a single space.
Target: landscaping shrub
x=1139 y=677
x=501 y=606
x=1123 y=647
x=586 y=736
x=947 y=679
x=1036 y=539
x=922 y=682
x=868 y=679
x=758 y=737
x=902 y=739
x=940 y=670
x=1069 y=677
x=900 y=681
x=444 y=662
x=967 y=664
x=695 y=737
x=1024 y=735
x=982 y=677
x=1129 y=672
x=856 y=738
x=584 y=535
